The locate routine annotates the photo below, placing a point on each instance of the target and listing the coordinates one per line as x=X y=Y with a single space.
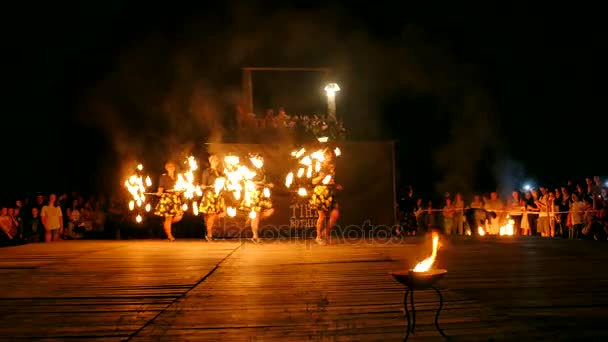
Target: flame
x=426 y=264
x=289 y=179
x=306 y=160
x=299 y=153
x=507 y=229
x=322 y=139
x=231 y=211
x=186 y=182
x=252 y=214
x=195 y=208
x=137 y=185
x=257 y=162
x=337 y=151
x=219 y=184
x=481 y=231
x=318 y=155
x=308 y=167
x=148 y=207
x=242 y=181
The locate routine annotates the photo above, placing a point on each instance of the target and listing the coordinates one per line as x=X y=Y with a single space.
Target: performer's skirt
x=259 y=203
x=169 y=205
x=323 y=199
x=212 y=203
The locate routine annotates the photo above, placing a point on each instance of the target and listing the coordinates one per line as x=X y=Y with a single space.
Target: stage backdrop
x=364 y=169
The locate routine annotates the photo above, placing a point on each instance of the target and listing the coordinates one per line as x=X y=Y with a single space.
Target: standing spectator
x=52 y=218
x=577 y=215
x=18 y=221
x=448 y=217
x=33 y=230
x=495 y=205
x=516 y=211
x=459 y=214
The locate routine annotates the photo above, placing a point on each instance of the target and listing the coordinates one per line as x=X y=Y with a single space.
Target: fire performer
x=169 y=205
x=261 y=204
x=212 y=203
x=324 y=199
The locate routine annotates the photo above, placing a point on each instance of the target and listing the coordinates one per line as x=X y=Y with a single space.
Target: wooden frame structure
x=247 y=100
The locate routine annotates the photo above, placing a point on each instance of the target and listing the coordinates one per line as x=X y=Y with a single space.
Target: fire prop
x=421 y=277
x=308 y=167
x=186 y=183
x=505 y=230
x=247 y=184
x=137 y=184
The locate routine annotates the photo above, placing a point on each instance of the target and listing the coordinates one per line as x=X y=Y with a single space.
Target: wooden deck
x=496 y=289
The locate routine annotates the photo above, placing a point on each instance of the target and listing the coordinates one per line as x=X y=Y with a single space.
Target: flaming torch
x=421 y=277
x=187 y=185
x=247 y=185
x=308 y=166
x=137 y=185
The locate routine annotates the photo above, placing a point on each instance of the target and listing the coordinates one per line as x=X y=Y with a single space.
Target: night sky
x=474 y=97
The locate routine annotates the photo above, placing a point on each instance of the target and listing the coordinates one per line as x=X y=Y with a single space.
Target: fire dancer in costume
x=169 y=205
x=212 y=203
x=260 y=206
x=324 y=199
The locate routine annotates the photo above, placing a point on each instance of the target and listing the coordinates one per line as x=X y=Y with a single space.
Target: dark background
x=476 y=97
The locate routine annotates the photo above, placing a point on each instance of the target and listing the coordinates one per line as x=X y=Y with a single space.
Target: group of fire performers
x=236 y=188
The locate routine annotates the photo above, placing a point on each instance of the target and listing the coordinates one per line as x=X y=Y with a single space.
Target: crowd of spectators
x=573 y=210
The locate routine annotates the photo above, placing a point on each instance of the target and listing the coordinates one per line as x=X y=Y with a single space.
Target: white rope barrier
x=512 y=213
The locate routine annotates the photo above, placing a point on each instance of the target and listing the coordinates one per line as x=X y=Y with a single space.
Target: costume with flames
x=170 y=204
x=212 y=201
x=260 y=197
x=324 y=195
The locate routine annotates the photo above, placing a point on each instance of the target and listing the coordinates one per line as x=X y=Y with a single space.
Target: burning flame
x=244 y=182
x=426 y=264
x=507 y=229
x=309 y=166
x=481 y=231
x=137 y=185
x=289 y=179
x=186 y=182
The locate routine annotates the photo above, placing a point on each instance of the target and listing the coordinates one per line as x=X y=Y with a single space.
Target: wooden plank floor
x=496 y=289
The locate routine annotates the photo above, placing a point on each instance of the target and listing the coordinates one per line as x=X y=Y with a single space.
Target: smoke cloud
x=166 y=92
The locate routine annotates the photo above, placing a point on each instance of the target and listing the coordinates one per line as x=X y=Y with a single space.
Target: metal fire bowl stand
x=419 y=281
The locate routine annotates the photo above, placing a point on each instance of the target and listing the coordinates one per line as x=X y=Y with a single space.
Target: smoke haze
x=168 y=90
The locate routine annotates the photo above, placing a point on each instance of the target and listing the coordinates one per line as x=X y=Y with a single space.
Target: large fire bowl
x=419 y=281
